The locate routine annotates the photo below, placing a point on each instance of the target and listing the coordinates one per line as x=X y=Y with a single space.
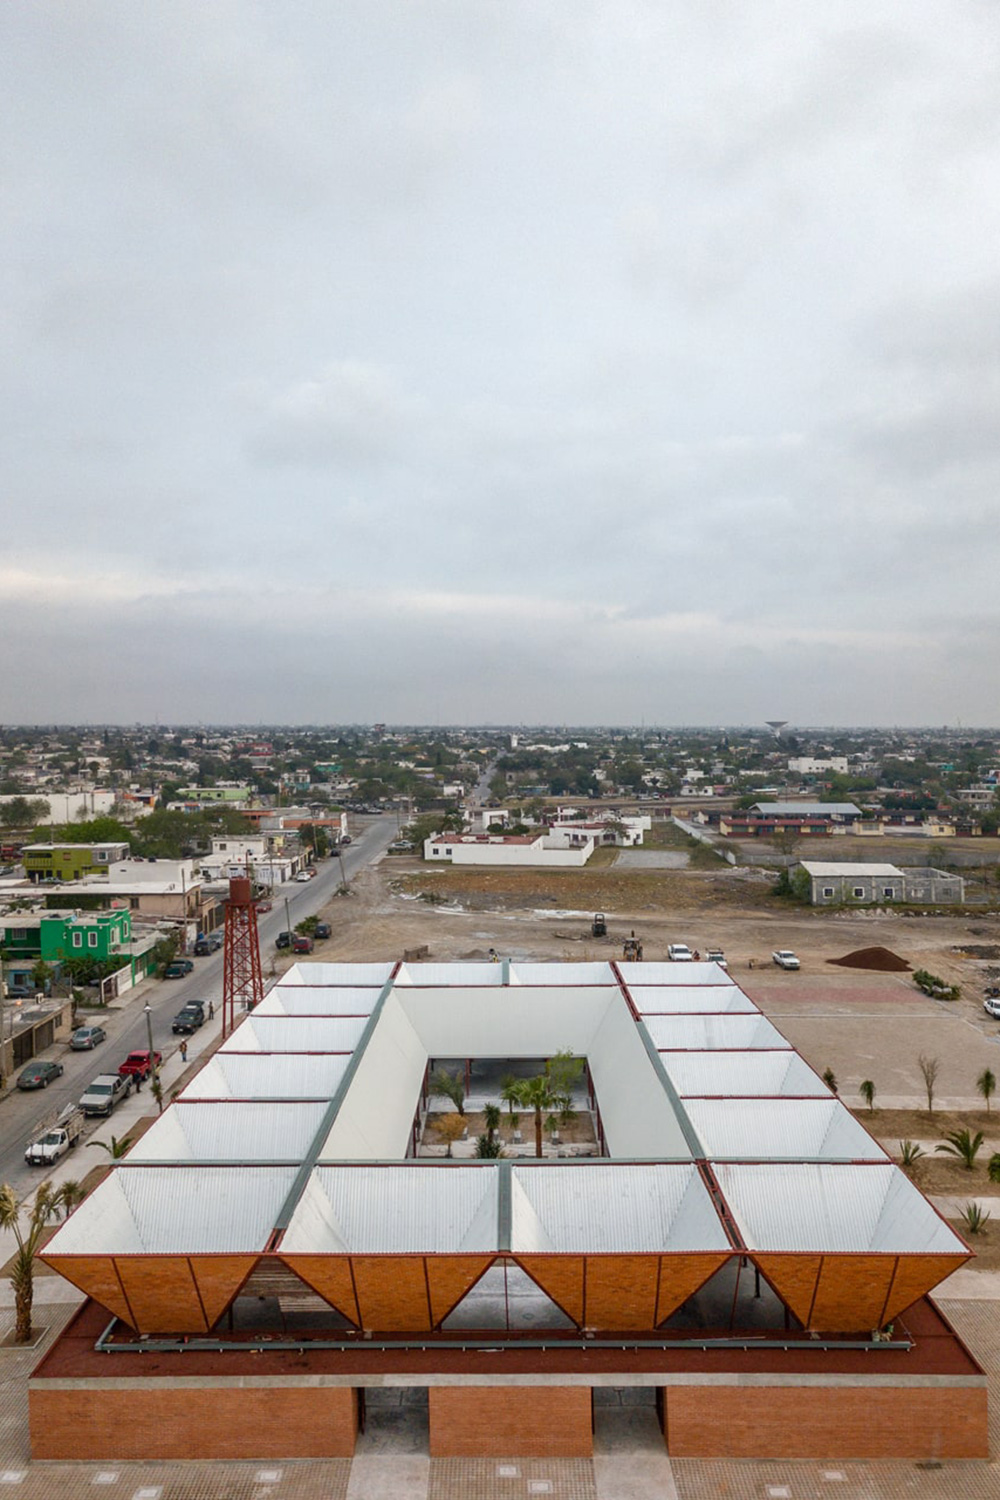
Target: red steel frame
x=242 y=981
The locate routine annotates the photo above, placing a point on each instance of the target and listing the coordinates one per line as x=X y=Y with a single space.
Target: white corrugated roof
x=825 y=868
x=692 y=973
x=469 y=975
x=272 y=1075
x=701 y=1033
x=825 y=1208
x=396 y=1210
x=599 y=1209
x=785 y=1129
x=312 y=973
x=239 y=1131
x=739 y=1075
x=675 y=999
x=319 y=1000
x=565 y=974
x=257 y=1033
x=177 y=1211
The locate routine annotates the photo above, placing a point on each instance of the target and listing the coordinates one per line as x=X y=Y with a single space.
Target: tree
x=963 y=1144
x=41 y=976
x=491 y=1119
x=910 y=1153
x=551 y=1090
x=47 y=1204
x=867 y=1092
x=488 y=1148
x=117 y=1149
x=450 y=1086
x=452 y=1128
x=509 y=1094
x=785 y=841
x=830 y=1079
x=993 y=1167
x=929 y=1067
x=986 y=1084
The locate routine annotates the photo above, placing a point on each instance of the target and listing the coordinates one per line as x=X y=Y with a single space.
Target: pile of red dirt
x=873 y=958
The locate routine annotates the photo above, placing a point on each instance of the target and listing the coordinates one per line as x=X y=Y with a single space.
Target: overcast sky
x=500 y=360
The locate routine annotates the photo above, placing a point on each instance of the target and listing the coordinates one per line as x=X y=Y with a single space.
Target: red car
x=301 y=943
x=138 y=1065
x=265 y=905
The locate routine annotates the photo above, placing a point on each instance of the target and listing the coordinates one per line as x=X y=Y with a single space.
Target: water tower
x=777 y=725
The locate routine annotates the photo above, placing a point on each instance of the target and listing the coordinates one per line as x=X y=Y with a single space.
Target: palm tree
x=986 y=1084
x=830 y=1079
x=450 y=1086
x=117 y=1149
x=867 y=1092
x=910 y=1153
x=993 y=1167
x=491 y=1119
x=536 y=1094
x=511 y=1097
x=48 y=1201
x=963 y=1144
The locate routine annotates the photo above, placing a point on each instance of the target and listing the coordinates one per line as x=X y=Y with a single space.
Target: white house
x=808 y=765
x=554 y=849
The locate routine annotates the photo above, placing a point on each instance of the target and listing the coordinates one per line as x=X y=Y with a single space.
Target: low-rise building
x=69 y=861
x=557 y=848
x=831 y=884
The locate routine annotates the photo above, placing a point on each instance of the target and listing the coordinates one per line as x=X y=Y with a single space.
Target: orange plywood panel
x=680 y=1278
x=219 y=1278
x=794 y=1278
x=392 y=1292
x=620 y=1291
x=162 y=1293
x=329 y=1276
x=915 y=1276
x=852 y=1292
x=95 y=1275
x=449 y=1277
x=561 y=1278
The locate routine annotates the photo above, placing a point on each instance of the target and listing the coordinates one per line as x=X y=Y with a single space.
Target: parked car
x=284 y=940
x=680 y=953
x=785 y=958
x=107 y=1090
x=322 y=930
x=178 y=968
x=263 y=906
x=39 y=1074
x=347 y=839
x=189 y=1019
x=400 y=846
x=301 y=943
x=138 y=1064
x=63 y=1136
x=716 y=956
x=303 y=877
x=207 y=944
x=85 y=1038
x=990 y=1005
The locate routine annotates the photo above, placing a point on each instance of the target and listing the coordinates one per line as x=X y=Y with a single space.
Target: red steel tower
x=242 y=982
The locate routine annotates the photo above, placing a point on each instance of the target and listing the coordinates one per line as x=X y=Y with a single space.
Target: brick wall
x=826 y=1422
x=193 y=1422
x=505 y=1421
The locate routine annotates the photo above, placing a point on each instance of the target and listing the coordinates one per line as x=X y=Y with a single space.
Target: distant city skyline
x=590 y=361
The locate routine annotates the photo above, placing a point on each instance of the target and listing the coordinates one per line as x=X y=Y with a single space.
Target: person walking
x=184 y=1049
x=211 y=1010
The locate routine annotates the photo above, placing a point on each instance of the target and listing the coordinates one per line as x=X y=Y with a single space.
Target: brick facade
x=826 y=1422
x=193 y=1421
x=550 y=1421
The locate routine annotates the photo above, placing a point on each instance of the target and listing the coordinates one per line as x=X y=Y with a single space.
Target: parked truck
x=62 y=1137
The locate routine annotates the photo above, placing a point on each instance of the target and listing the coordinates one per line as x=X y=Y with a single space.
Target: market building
x=279 y=1242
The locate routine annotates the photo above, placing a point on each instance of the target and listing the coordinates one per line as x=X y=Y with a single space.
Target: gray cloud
x=583 y=361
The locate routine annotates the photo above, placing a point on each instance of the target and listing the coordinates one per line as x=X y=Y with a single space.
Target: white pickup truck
x=62 y=1137
x=784 y=958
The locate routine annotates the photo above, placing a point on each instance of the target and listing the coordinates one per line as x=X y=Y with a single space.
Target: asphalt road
x=23 y=1116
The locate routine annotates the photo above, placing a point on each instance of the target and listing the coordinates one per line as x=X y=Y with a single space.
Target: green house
x=70 y=861
x=57 y=936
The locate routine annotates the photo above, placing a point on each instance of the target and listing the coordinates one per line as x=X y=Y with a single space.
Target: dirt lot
x=862 y=1024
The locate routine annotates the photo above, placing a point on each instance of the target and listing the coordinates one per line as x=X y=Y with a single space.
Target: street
x=23 y=1116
